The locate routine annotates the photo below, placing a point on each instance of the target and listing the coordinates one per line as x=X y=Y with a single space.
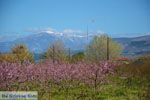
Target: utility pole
x=53 y=54
x=91 y=21
x=87 y=33
x=107 y=48
x=69 y=55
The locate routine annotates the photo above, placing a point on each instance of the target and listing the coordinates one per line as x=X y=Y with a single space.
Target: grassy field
x=118 y=88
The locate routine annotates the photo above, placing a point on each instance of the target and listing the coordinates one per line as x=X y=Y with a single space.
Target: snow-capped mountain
x=38 y=43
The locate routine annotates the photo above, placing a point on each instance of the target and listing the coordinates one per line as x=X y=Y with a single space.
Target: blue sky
x=115 y=17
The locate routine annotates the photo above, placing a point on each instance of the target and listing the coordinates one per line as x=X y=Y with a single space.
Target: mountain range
x=38 y=43
x=135 y=46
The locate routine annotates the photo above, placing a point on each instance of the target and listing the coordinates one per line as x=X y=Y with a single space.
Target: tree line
x=100 y=48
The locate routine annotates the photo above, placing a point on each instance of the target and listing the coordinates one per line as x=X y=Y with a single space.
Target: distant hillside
x=135 y=46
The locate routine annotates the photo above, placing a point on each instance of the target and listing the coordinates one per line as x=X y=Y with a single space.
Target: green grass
x=116 y=89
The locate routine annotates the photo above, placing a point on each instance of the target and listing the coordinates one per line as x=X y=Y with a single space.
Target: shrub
x=8 y=58
x=22 y=53
x=139 y=67
x=144 y=58
x=78 y=57
x=57 y=52
x=101 y=48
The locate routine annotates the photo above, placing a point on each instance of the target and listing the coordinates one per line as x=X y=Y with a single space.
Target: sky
x=114 y=17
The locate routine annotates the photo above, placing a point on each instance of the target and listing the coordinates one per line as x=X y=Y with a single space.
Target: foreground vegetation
x=88 y=75
x=81 y=81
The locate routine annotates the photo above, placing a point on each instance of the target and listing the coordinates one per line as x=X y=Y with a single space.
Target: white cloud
x=71 y=31
x=48 y=30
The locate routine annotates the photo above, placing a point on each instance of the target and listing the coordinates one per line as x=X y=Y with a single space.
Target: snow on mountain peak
x=68 y=33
